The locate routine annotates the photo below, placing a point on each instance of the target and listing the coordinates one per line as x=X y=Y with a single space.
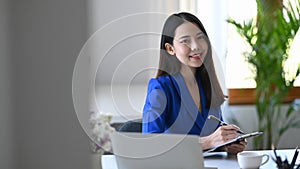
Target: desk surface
x=222 y=161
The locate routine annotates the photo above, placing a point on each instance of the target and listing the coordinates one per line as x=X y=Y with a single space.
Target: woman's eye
x=200 y=37
x=186 y=41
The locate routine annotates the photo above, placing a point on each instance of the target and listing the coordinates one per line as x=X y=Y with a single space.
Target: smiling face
x=189 y=45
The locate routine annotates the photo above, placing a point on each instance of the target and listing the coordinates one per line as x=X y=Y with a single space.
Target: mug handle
x=267 y=159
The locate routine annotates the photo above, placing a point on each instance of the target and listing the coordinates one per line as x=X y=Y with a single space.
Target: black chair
x=131 y=126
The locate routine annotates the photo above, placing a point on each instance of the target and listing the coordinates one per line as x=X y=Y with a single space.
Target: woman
x=186 y=89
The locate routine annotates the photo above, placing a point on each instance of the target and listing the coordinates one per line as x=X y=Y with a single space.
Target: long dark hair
x=170 y=65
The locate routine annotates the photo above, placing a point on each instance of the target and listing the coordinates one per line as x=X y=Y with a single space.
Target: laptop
x=157 y=151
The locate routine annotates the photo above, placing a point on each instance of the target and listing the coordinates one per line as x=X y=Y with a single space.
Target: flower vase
x=101 y=142
x=96 y=160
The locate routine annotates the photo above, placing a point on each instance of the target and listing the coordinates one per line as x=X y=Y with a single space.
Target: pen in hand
x=222 y=123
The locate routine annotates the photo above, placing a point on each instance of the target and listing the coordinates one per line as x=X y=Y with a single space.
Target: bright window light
x=238 y=70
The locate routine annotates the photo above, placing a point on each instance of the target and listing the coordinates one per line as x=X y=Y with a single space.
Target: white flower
x=101 y=129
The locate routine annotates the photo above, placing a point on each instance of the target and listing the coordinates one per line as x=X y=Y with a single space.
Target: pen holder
x=284 y=164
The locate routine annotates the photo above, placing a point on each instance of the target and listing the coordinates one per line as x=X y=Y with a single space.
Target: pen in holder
x=284 y=164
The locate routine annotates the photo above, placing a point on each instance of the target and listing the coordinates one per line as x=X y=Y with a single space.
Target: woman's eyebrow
x=184 y=37
x=200 y=33
x=188 y=36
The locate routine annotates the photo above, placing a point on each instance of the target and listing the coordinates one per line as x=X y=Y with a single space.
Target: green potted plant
x=269 y=36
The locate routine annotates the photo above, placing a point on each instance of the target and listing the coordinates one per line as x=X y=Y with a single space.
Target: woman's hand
x=220 y=136
x=235 y=148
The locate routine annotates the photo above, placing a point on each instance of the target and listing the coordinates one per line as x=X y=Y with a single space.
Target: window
x=239 y=78
x=238 y=73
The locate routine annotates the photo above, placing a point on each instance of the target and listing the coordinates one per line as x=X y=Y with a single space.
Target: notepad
x=237 y=139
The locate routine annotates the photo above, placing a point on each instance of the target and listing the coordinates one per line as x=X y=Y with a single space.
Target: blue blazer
x=169 y=108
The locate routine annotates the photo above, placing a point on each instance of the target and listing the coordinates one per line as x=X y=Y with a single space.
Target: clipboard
x=237 y=139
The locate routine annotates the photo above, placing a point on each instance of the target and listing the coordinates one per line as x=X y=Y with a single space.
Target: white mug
x=249 y=160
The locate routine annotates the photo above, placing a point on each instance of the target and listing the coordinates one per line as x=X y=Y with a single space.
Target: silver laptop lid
x=157 y=151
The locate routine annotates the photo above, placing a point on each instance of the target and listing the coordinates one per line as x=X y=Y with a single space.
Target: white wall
x=39 y=127
x=6 y=114
x=124 y=44
x=126 y=33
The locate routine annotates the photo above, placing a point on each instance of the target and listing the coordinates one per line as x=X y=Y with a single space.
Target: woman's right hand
x=220 y=136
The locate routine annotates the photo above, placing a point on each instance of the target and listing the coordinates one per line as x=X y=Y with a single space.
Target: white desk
x=223 y=162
